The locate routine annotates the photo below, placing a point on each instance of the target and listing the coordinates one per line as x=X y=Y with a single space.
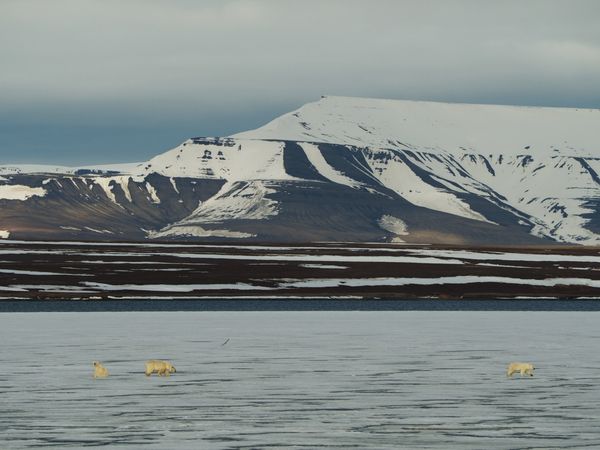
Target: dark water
x=299 y=305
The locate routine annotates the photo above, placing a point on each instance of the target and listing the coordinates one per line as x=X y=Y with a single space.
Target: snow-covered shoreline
x=79 y=270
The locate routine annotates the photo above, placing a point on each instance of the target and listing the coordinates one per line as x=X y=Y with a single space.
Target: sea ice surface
x=340 y=380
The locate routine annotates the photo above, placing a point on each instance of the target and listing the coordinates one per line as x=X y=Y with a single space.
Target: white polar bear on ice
x=523 y=368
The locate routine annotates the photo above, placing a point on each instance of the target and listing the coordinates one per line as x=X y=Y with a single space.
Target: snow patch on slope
x=153 y=195
x=398 y=176
x=553 y=190
x=4 y=234
x=197 y=231
x=314 y=155
x=240 y=200
x=94 y=230
x=20 y=192
x=243 y=200
x=174 y=184
x=124 y=183
x=106 y=184
x=394 y=225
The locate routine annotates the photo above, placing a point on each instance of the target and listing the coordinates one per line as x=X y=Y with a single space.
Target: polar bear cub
x=99 y=370
x=522 y=368
x=162 y=368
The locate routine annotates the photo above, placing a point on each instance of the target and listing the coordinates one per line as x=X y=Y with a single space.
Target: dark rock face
x=331 y=212
x=79 y=208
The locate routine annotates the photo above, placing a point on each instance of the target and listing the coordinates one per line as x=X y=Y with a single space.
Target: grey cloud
x=209 y=67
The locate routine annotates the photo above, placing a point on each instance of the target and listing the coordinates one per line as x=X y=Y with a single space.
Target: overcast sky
x=92 y=81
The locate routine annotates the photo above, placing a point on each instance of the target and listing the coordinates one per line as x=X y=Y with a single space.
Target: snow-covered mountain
x=339 y=169
x=438 y=127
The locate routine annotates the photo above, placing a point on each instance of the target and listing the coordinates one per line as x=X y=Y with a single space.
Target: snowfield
x=220 y=158
x=420 y=125
x=19 y=192
x=339 y=380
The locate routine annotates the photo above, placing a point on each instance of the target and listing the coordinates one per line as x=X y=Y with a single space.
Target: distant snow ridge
x=102 y=169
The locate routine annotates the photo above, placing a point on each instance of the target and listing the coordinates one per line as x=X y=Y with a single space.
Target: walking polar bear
x=523 y=368
x=162 y=368
x=99 y=370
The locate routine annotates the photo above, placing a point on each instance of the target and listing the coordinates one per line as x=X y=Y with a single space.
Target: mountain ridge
x=458 y=126
x=345 y=169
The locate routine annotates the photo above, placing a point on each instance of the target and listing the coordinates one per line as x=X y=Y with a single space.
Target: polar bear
x=523 y=368
x=162 y=368
x=99 y=370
